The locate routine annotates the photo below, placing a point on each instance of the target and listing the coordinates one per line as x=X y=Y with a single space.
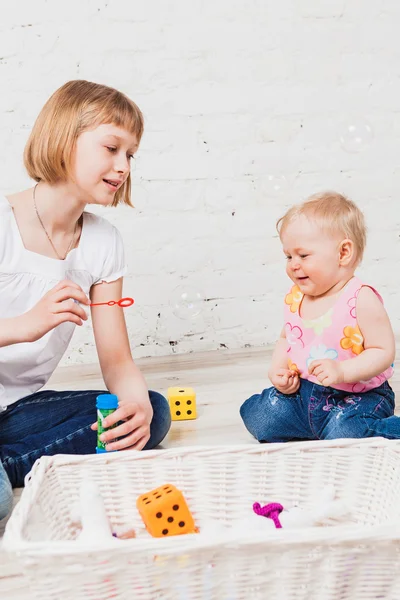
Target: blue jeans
x=48 y=423
x=6 y=494
x=315 y=412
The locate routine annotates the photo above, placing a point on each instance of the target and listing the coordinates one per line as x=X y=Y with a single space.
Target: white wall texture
x=234 y=92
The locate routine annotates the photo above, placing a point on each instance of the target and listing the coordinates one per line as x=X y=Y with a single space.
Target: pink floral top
x=335 y=335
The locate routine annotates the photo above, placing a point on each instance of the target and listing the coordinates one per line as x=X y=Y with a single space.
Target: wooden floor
x=222 y=380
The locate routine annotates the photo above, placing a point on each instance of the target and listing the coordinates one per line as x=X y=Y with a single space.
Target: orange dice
x=164 y=512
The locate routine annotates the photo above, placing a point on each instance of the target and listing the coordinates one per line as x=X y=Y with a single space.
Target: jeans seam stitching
x=21 y=403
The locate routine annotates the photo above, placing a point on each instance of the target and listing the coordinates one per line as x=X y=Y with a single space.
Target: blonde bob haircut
x=336 y=214
x=75 y=107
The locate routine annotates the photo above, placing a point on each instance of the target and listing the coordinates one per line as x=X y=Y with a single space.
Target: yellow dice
x=182 y=403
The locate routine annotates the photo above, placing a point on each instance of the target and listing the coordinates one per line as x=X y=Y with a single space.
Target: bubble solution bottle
x=106 y=404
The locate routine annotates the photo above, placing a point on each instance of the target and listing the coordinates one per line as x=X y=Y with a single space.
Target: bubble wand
x=123 y=303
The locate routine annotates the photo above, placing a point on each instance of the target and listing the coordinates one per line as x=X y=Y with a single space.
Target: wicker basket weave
x=360 y=561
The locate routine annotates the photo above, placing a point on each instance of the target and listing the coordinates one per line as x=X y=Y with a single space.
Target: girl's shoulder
x=98 y=234
x=5 y=206
x=8 y=228
x=102 y=248
x=99 y=226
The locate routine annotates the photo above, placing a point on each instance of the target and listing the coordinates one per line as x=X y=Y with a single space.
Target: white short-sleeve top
x=26 y=276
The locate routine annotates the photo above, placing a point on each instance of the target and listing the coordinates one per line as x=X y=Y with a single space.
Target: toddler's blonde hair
x=336 y=214
x=75 y=107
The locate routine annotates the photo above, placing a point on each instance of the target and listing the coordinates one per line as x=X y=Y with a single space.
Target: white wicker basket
x=357 y=562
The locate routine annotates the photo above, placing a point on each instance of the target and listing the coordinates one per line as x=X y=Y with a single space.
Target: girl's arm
x=11 y=331
x=57 y=306
x=379 y=342
x=121 y=376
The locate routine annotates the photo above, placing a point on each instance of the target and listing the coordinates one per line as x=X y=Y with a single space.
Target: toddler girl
x=331 y=365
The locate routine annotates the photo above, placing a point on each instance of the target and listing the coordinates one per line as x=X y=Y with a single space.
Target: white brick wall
x=232 y=92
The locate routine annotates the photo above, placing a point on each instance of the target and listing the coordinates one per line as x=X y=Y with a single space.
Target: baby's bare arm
x=279 y=357
x=379 y=342
x=281 y=377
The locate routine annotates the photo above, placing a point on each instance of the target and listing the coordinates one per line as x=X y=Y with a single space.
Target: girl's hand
x=56 y=307
x=286 y=381
x=134 y=430
x=328 y=372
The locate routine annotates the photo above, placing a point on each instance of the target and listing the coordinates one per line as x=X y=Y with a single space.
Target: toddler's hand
x=327 y=371
x=286 y=381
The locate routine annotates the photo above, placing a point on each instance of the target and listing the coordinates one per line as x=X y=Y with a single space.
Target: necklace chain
x=45 y=230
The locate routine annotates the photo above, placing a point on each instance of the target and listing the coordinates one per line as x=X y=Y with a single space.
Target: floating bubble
x=187 y=303
x=356 y=135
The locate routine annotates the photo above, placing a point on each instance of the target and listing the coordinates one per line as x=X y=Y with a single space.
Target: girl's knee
x=273 y=417
x=161 y=422
x=257 y=417
x=249 y=406
x=6 y=494
x=6 y=501
x=249 y=412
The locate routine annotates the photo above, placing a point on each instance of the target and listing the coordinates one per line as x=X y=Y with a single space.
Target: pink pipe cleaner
x=271 y=511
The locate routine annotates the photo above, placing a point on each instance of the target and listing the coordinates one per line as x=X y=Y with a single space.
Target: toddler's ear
x=346 y=252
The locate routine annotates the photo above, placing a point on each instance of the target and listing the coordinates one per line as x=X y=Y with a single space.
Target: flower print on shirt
x=362 y=385
x=321 y=352
x=294 y=335
x=352 y=340
x=293 y=367
x=294 y=298
x=351 y=303
x=320 y=324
